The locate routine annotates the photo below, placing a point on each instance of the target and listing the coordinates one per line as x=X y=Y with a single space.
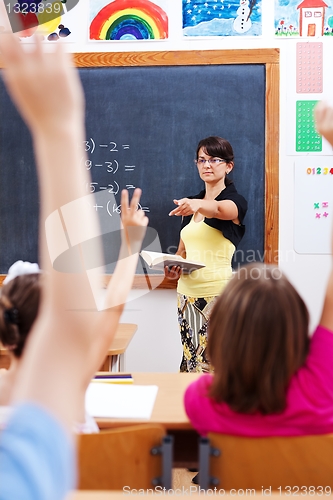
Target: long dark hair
x=257 y=340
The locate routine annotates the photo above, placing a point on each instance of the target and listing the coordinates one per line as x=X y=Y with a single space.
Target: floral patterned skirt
x=193 y=316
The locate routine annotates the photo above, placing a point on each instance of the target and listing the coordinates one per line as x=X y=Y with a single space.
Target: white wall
x=156 y=346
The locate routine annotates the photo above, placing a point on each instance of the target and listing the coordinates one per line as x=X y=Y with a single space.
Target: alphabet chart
x=313 y=204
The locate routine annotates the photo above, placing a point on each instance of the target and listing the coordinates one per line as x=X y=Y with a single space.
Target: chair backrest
x=137 y=457
x=276 y=463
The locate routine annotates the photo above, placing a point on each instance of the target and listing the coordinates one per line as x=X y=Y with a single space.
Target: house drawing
x=311 y=17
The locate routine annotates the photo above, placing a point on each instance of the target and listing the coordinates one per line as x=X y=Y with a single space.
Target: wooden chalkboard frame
x=270 y=58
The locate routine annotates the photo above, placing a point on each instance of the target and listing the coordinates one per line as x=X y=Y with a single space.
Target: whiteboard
x=313 y=213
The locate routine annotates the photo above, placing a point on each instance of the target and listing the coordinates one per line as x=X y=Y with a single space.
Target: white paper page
x=118 y=401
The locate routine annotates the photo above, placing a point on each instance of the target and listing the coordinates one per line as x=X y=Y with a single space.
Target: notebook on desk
x=120 y=400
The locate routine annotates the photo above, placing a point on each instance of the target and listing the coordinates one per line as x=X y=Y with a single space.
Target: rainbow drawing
x=130 y=20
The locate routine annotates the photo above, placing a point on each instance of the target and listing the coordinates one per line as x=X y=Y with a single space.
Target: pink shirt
x=309 y=401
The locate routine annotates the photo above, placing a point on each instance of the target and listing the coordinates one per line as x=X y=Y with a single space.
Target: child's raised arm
x=69 y=337
x=324 y=124
x=134 y=223
x=48 y=94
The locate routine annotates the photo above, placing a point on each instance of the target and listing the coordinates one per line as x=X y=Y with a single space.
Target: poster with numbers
x=313 y=214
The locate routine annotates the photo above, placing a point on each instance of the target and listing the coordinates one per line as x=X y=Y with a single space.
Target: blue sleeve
x=37 y=460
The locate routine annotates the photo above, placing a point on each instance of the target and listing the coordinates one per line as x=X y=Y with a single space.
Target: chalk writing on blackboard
x=110 y=166
x=90 y=145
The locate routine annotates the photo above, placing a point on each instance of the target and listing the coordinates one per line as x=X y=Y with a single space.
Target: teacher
x=212 y=227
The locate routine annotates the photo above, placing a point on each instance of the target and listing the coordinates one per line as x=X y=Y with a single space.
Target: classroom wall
x=156 y=346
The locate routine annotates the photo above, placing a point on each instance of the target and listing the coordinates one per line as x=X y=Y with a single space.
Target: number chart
x=307 y=138
x=313 y=205
x=309 y=67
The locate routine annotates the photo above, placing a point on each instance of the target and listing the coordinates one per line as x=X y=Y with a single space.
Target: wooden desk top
x=95 y=495
x=119 y=344
x=193 y=494
x=169 y=408
x=119 y=495
x=123 y=337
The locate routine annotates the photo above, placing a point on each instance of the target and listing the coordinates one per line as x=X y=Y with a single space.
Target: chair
x=274 y=463
x=137 y=456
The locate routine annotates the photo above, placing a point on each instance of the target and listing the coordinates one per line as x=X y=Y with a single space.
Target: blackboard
x=145 y=113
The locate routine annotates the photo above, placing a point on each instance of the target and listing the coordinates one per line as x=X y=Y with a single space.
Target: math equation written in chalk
x=110 y=172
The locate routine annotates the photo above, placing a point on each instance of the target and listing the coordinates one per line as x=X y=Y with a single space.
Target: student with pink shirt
x=270 y=378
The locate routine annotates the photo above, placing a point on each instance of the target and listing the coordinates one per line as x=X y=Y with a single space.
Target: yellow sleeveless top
x=208 y=245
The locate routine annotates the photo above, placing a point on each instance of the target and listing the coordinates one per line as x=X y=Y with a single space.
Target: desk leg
x=114 y=363
x=122 y=362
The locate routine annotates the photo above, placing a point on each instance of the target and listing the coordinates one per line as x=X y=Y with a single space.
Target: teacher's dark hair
x=19 y=303
x=219 y=148
x=257 y=340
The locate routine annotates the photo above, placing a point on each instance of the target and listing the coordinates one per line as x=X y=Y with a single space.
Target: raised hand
x=43 y=86
x=134 y=221
x=324 y=120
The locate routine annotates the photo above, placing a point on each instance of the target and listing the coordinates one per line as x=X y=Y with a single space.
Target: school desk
x=119 y=495
x=168 y=411
x=115 y=358
x=192 y=493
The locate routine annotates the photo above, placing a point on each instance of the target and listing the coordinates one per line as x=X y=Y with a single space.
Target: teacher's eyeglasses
x=212 y=161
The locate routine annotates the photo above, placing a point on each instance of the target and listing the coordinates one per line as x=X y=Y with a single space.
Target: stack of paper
x=120 y=401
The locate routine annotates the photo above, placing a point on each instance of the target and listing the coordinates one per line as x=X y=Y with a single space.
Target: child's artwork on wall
x=52 y=26
x=303 y=18
x=120 y=20
x=222 y=17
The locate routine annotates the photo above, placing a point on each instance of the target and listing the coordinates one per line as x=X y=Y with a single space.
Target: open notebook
x=120 y=401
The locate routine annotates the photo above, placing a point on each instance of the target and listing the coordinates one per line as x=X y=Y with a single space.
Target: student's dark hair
x=19 y=302
x=257 y=340
x=218 y=147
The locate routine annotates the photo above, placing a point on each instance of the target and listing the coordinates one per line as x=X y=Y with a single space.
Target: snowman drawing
x=243 y=23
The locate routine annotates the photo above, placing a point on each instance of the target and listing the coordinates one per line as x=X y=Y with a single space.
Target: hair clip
x=11 y=316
